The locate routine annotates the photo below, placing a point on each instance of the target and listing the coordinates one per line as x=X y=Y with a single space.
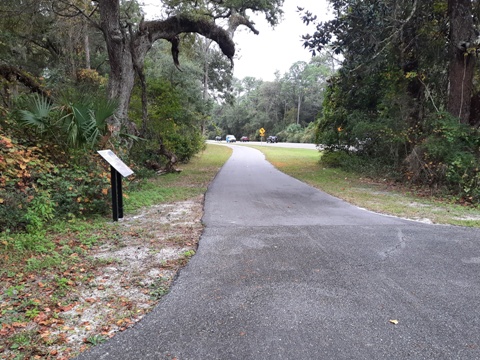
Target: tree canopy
x=406 y=91
x=294 y=98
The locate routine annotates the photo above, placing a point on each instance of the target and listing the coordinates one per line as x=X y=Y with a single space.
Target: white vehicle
x=230 y=138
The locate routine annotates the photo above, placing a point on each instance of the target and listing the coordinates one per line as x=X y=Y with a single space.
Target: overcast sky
x=276 y=49
x=273 y=49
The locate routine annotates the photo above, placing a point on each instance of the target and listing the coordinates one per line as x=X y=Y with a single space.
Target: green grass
x=378 y=196
x=190 y=182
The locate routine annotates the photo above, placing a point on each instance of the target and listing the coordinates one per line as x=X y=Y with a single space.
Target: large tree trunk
x=462 y=59
x=122 y=72
x=475 y=111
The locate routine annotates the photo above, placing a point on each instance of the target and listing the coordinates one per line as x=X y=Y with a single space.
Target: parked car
x=272 y=139
x=218 y=138
x=244 y=139
x=230 y=139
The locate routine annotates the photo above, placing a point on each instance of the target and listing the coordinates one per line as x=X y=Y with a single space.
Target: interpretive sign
x=117 y=169
x=115 y=161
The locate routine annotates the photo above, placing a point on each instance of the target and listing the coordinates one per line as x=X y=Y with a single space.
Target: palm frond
x=38 y=114
x=91 y=130
x=103 y=110
x=86 y=121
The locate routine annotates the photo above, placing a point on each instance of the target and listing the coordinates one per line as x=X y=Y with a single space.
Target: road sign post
x=117 y=169
x=262 y=133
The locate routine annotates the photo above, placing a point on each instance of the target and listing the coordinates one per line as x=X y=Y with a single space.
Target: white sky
x=261 y=55
x=276 y=49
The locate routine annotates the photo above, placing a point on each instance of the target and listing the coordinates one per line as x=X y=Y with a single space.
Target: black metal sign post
x=119 y=195
x=116 y=186
x=117 y=170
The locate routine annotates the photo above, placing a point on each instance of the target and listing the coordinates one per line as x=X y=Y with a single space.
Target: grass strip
x=192 y=181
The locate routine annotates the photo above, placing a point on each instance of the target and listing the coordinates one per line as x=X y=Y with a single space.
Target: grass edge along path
x=378 y=196
x=192 y=181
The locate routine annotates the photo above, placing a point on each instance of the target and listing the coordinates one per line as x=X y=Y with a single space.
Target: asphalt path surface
x=284 y=271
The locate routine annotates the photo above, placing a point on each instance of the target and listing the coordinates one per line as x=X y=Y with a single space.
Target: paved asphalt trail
x=284 y=271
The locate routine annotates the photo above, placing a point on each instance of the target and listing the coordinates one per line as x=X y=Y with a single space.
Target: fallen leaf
x=19 y=324
x=67 y=307
x=40 y=318
x=394 y=322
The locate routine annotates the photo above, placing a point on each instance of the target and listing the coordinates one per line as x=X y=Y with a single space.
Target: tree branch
x=170 y=28
x=78 y=12
x=387 y=39
x=11 y=73
x=236 y=19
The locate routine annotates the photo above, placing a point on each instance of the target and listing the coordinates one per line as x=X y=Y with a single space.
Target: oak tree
x=128 y=41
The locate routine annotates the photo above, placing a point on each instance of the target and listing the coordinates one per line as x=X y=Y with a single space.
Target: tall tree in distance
x=462 y=58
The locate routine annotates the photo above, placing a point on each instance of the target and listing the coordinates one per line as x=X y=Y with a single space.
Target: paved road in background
x=264 y=143
x=284 y=271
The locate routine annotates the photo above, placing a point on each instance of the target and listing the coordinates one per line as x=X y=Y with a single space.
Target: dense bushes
x=387 y=105
x=173 y=124
x=47 y=165
x=297 y=134
x=34 y=189
x=448 y=156
x=435 y=151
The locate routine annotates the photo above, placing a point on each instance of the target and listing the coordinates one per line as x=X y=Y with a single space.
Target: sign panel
x=115 y=162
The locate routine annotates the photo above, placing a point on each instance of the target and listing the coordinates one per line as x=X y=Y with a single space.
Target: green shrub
x=12 y=209
x=185 y=144
x=448 y=157
x=80 y=190
x=33 y=189
x=335 y=159
x=39 y=212
x=293 y=133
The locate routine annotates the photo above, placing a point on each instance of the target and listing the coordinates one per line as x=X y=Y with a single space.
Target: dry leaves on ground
x=123 y=279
